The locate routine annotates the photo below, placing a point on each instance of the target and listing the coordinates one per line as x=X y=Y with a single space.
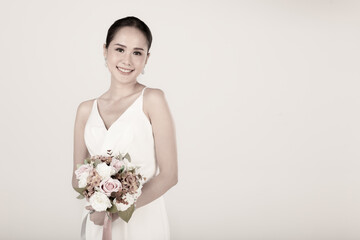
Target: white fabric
x=130 y=133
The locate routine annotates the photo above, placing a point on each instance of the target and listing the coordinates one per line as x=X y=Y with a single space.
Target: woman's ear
x=104 y=50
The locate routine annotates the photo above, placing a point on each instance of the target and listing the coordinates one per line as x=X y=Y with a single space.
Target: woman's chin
x=125 y=80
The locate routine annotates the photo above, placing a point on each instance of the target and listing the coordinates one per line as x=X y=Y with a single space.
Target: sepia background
x=264 y=94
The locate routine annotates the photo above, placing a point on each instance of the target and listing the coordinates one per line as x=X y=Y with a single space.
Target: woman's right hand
x=97 y=218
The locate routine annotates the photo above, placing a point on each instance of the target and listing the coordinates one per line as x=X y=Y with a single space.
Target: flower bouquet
x=110 y=183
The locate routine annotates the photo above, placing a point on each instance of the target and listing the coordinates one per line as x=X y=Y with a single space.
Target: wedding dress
x=130 y=133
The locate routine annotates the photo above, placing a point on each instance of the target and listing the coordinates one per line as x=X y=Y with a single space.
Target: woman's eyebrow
x=137 y=48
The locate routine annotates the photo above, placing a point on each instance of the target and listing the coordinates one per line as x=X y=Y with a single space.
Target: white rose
x=83 y=180
x=123 y=207
x=99 y=201
x=85 y=168
x=104 y=170
x=129 y=198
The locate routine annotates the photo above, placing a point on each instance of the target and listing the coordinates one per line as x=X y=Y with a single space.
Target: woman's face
x=126 y=54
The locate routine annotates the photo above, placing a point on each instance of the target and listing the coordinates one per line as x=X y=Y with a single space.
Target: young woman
x=129 y=118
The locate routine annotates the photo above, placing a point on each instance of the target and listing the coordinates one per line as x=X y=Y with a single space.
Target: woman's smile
x=124 y=70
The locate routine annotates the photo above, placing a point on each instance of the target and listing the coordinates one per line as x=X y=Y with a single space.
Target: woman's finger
x=89 y=207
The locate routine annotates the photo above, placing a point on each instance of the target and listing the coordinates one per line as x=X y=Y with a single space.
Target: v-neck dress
x=130 y=133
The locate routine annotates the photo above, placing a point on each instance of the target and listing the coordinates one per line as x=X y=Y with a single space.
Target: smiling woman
x=120 y=52
x=129 y=118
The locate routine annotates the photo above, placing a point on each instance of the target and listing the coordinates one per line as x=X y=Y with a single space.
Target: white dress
x=130 y=133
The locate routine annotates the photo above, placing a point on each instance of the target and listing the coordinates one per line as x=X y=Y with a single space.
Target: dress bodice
x=130 y=133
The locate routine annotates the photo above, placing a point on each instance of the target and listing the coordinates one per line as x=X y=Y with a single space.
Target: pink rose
x=85 y=168
x=117 y=164
x=110 y=185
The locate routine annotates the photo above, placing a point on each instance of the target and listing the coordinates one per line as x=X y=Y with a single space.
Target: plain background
x=265 y=97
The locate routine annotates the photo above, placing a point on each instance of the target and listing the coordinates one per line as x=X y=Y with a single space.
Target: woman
x=129 y=117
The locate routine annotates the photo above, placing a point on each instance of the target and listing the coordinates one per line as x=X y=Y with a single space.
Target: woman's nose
x=127 y=58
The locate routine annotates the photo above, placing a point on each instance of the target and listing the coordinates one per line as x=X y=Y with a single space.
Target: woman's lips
x=124 y=70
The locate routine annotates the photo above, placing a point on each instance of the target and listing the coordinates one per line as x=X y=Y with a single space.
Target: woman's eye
x=119 y=49
x=137 y=53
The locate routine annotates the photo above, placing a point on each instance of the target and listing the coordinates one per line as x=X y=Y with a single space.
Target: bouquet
x=110 y=183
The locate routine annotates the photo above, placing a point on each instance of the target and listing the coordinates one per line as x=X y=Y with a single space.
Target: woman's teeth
x=124 y=70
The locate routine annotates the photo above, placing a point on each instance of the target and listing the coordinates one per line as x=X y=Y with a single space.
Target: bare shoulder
x=155 y=103
x=83 y=110
x=154 y=93
x=153 y=97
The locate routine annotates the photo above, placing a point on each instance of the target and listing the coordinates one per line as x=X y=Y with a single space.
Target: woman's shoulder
x=84 y=109
x=86 y=105
x=154 y=93
x=155 y=101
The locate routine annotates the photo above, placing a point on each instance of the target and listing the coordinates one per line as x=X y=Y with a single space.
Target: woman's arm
x=80 y=150
x=156 y=106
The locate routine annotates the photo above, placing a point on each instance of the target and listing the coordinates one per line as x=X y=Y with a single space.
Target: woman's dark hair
x=129 y=21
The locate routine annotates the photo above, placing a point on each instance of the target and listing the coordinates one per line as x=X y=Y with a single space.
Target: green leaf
x=80 y=197
x=127 y=156
x=113 y=208
x=87 y=160
x=126 y=215
x=79 y=190
x=97 y=161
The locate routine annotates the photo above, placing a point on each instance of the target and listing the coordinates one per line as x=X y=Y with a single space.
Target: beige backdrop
x=265 y=96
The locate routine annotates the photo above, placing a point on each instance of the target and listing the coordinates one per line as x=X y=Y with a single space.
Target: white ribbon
x=83 y=226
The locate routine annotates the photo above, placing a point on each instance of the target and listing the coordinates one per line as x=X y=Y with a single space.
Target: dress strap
x=142 y=92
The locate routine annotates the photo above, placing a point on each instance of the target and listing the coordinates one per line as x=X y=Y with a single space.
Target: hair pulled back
x=129 y=21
